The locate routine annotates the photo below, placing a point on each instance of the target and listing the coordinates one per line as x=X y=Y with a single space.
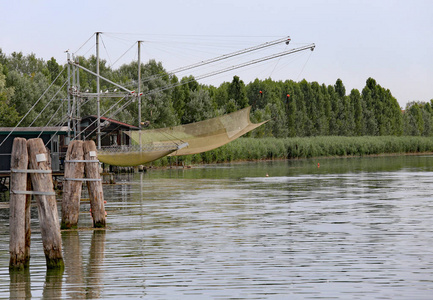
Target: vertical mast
x=98 y=91
x=139 y=92
x=74 y=100
x=69 y=98
x=78 y=104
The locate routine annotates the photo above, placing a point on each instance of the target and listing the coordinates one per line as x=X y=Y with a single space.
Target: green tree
x=358 y=113
x=320 y=123
x=345 y=122
x=290 y=105
x=334 y=121
x=53 y=68
x=414 y=122
x=221 y=96
x=278 y=120
x=199 y=107
x=427 y=114
x=258 y=117
x=383 y=107
x=236 y=91
x=157 y=105
x=8 y=115
x=27 y=91
x=310 y=108
x=179 y=95
x=256 y=94
x=301 y=118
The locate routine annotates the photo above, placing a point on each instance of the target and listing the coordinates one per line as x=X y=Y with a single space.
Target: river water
x=353 y=228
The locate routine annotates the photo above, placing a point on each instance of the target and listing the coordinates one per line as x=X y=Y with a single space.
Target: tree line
x=295 y=109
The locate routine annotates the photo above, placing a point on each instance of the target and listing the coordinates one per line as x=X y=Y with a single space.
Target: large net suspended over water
x=149 y=145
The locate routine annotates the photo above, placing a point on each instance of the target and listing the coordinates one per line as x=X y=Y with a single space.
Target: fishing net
x=126 y=156
x=181 y=140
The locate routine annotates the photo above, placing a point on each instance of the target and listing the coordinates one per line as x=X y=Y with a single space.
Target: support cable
x=110 y=117
x=88 y=126
x=252 y=62
x=34 y=105
x=46 y=105
x=303 y=67
x=222 y=57
x=217 y=72
x=112 y=106
x=49 y=121
x=106 y=51
x=85 y=43
x=123 y=54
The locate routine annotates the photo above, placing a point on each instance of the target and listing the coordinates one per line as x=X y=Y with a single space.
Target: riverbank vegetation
x=307 y=119
x=248 y=149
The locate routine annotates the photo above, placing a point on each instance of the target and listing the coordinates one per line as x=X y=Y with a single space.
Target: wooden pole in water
x=19 y=245
x=46 y=200
x=74 y=170
x=94 y=184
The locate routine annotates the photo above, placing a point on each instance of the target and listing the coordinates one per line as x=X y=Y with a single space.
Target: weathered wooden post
x=74 y=170
x=42 y=183
x=94 y=184
x=19 y=216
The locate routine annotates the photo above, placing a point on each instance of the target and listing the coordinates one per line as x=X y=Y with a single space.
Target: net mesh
x=126 y=156
x=199 y=137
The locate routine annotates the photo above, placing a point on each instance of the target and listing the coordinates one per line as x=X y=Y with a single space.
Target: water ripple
x=301 y=233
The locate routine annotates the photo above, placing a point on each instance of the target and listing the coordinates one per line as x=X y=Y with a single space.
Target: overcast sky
x=388 y=40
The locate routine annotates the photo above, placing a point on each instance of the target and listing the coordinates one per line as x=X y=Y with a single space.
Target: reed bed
x=247 y=149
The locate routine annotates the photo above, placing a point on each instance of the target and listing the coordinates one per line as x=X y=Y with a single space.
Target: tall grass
x=305 y=147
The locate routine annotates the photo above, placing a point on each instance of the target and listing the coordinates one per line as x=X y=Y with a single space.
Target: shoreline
x=262 y=149
x=198 y=165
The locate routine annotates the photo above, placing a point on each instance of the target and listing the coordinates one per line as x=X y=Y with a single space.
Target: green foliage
x=383 y=110
x=418 y=119
x=294 y=109
x=53 y=68
x=199 y=107
x=236 y=91
x=27 y=91
x=305 y=147
x=8 y=115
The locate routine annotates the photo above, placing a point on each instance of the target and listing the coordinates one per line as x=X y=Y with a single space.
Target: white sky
x=388 y=40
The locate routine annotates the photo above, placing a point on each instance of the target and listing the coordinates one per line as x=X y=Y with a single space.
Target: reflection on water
x=20 y=284
x=355 y=228
x=80 y=280
x=83 y=279
x=53 y=284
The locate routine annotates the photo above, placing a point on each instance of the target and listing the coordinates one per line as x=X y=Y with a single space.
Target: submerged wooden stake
x=47 y=206
x=19 y=216
x=94 y=185
x=74 y=169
